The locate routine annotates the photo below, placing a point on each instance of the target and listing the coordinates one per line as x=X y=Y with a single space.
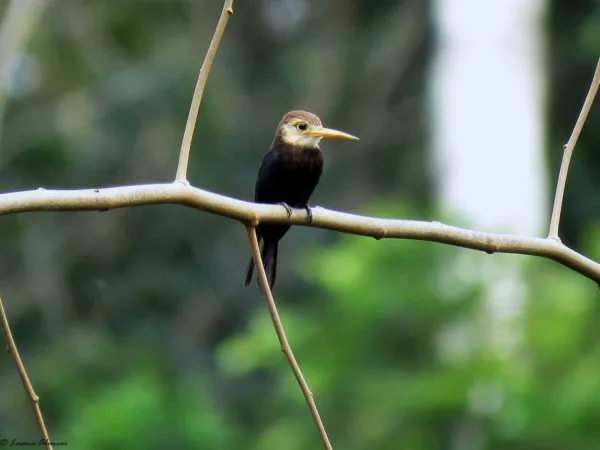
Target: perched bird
x=288 y=175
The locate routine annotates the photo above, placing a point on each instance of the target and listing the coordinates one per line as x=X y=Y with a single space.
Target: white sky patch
x=487 y=112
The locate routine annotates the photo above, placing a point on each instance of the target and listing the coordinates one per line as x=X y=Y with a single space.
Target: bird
x=288 y=175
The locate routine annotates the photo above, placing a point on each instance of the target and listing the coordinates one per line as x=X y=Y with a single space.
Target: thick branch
x=252 y=213
x=33 y=398
x=285 y=346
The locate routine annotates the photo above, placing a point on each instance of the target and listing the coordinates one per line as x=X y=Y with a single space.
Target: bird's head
x=304 y=129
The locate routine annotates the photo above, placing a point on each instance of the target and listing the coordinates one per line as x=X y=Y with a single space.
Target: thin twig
x=249 y=212
x=35 y=400
x=285 y=346
x=568 y=151
x=184 y=154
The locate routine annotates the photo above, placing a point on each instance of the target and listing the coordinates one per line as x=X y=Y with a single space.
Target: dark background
x=134 y=324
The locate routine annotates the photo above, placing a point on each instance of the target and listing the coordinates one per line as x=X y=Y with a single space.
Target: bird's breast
x=302 y=159
x=289 y=175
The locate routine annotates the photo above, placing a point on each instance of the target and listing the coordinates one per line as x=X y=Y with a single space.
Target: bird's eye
x=302 y=126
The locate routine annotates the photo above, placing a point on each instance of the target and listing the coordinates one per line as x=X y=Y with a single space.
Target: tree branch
x=184 y=154
x=35 y=400
x=285 y=346
x=568 y=151
x=253 y=213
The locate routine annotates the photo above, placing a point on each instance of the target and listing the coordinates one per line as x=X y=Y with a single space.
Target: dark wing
x=268 y=189
x=288 y=176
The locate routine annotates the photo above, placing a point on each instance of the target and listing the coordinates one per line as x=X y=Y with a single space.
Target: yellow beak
x=329 y=133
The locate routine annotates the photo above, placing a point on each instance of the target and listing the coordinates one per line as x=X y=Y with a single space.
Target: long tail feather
x=250 y=272
x=269 y=259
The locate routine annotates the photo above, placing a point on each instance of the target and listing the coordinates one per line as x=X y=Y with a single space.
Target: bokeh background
x=134 y=324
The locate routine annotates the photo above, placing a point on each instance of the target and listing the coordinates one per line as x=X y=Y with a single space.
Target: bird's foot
x=309 y=212
x=288 y=210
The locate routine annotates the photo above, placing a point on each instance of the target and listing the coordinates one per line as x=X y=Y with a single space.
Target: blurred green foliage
x=134 y=325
